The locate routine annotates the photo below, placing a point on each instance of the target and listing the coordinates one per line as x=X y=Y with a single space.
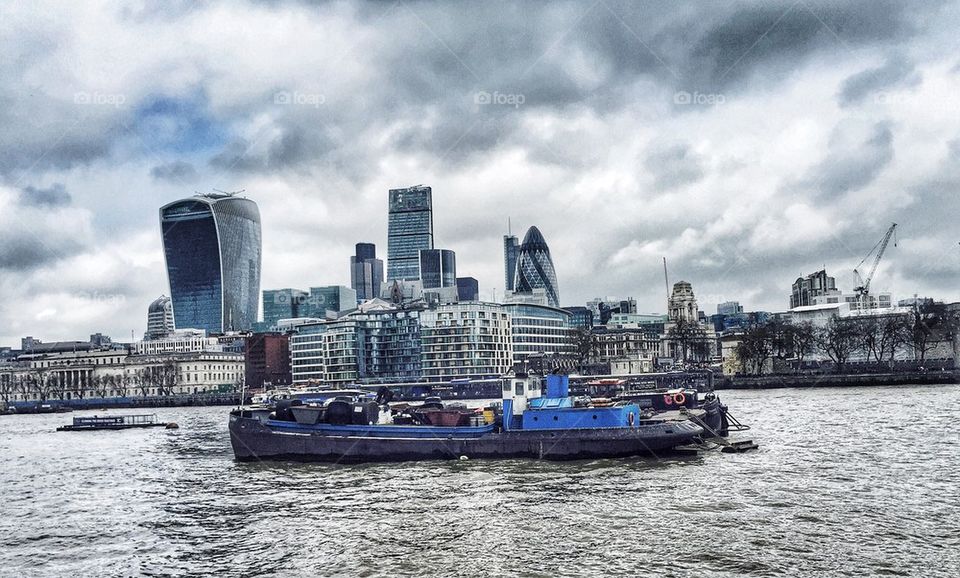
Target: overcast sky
x=747 y=142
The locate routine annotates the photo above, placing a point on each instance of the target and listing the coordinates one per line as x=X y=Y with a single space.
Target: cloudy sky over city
x=746 y=142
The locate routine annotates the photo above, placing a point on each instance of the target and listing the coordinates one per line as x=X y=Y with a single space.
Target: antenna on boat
x=243 y=390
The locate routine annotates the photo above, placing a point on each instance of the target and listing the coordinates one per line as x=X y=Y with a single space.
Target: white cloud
x=388 y=100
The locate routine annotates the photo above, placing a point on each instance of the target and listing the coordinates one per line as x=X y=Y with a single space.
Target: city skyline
x=786 y=154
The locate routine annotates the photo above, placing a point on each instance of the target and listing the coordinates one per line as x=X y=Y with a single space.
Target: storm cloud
x=746 y=142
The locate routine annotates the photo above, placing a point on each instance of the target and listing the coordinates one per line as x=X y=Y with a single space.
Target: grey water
x=847 y=482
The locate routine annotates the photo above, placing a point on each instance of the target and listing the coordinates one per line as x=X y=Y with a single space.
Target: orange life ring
x=679 y=398
x=668 y=400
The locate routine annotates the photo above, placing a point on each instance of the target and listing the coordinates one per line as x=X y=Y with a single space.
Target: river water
x=848 y=482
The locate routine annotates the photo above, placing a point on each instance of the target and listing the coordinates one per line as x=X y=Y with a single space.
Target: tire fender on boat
x=630 y=418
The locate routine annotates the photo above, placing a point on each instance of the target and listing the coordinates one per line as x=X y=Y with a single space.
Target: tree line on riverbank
x=876 y=338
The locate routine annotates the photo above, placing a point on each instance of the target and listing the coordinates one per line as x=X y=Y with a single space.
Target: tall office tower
x=468 y=289
x=510 y=248
x=366 y=271
x=535 y=268
x=159 y=318
x=365 y=251
x=438 y=268
x=409 y=230
x=283 y=304
x=212 y=246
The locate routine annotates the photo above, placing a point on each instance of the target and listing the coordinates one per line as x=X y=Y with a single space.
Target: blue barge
x=532 y=424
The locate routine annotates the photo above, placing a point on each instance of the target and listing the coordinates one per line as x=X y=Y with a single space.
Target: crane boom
x=864 y=289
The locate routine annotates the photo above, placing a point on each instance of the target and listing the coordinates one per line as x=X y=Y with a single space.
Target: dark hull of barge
x=254 y=440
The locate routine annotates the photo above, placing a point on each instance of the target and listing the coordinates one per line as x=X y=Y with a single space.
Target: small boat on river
x=533 y=423
x=112 y=422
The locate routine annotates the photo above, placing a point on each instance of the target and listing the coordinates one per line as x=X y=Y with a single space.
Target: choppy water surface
x=849 y=482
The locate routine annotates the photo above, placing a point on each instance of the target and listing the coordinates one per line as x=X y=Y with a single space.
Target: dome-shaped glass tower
x=535 y=268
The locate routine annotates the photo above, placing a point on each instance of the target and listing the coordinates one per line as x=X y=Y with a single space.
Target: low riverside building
x=466 y=340
x=386 y=343
x=186 y=373
x=267 y=360
x=628 y=350
x=179 y=342
x=543 y=332
x=632 y=364
x=62 y=375
x=116 y=373
x=379 y=341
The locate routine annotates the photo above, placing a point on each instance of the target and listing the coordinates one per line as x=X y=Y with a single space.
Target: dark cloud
x=759 y=35
x=673 y=166
x=855 y=157
x=35 y=234
x=52 y=196
x=400 y=84
x=294 y=148
x=935 y=203
x=897 y=72
x=169 y=11
x=26 y=252
x=175 y=171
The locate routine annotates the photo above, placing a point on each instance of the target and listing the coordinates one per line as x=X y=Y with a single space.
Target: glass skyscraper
x=366 y=272
x=510 y=249
x=212 y=246
x=330 y=300
x=282 y=304
x=409 y=230
x=438 y=268
x=468 y=289
x=535 y=268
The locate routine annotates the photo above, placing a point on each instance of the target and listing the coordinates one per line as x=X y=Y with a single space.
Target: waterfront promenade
x=191 y=400
x=838 y=380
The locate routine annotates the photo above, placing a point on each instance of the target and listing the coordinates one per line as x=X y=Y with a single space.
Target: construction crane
x=862 y=288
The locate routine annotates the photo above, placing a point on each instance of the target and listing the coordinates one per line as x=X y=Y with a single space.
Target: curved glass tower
x=212 y=247
x=535 y=268
x=438 y=268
